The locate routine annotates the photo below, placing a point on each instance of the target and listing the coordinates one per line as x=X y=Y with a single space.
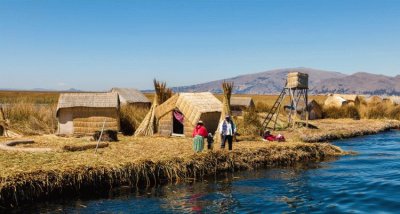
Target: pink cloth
x=179 y=116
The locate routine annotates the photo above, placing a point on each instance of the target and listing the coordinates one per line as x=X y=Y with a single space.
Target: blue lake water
x=365 y=183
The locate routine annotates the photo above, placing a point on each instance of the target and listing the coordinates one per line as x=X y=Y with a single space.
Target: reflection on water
x=367 y=182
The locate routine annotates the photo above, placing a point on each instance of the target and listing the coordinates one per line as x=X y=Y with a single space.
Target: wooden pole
x=101 y=134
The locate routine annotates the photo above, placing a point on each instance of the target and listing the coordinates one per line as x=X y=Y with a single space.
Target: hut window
x=178 y=120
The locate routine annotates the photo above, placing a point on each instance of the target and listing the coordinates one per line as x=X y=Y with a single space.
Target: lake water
x=365 y=183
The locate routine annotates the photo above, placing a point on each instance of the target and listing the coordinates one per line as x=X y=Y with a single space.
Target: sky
x=99 y=44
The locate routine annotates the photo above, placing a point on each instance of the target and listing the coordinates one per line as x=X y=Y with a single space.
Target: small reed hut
x=352 y=99
x=335 y=101
x=394 y=100
x=132 y=97
x=374 y=100
x=180 y=114
x=241 y=104
x=85 y=113
x=315 y=110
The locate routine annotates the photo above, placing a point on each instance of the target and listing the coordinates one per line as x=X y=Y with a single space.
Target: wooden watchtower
x=296 y=88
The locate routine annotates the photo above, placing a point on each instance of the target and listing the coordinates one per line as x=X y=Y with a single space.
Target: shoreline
x=352 y=128
x=41 y=185
x=154 y=160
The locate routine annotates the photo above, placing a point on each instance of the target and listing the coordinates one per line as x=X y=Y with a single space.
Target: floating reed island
x=143 y=161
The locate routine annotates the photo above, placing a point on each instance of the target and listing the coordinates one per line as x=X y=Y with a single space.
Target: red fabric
x=270 y=138
x=200 y=130
x=279 y=138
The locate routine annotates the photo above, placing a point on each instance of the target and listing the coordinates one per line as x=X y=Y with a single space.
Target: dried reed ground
x=132 y=161
x=145 y=160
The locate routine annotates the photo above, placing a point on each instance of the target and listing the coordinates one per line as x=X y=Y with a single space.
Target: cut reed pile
x=148 y=126
x=139 y=161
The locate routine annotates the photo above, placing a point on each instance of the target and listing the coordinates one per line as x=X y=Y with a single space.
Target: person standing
x=199 y=133
x=228 y=130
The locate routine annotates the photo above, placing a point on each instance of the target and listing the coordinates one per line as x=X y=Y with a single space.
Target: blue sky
x=95 y=45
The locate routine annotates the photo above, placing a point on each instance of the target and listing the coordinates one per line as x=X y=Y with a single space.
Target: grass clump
x=249 y=124
x=343 y=112
x=30 y=118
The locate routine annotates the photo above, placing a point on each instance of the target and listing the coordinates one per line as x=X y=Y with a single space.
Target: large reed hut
x=335 y=101
x=85 y=113
x=352 y=99
x=315 y=110
x=180 y=114
x=132 y=97
x=240 y=104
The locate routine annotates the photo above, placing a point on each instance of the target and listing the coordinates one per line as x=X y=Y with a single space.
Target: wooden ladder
x=273 y=111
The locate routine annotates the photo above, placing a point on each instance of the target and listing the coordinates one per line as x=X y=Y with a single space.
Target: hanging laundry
x=179 y=116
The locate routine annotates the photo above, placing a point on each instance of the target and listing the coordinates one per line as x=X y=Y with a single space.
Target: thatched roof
x=395 y=99
x=130 y=95
x=374 y=99
x=349 y=97
x=392 y=99
x=100 y=100
x=335 y=101
x=242 y=101
x=192 y=105
x=315 y=110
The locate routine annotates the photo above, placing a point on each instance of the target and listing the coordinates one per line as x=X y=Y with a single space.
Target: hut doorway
x=177 y=123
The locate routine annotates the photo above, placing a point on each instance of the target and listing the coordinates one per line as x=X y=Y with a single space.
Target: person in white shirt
x=228 y=130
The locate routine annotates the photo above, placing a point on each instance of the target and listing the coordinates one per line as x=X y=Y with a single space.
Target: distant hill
x=320 y=81
x=360 y=83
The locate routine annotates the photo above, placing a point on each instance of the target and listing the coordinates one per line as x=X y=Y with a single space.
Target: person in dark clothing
x=228 y=130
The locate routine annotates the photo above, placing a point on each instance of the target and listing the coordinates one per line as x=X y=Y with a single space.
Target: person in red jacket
x=199 y=133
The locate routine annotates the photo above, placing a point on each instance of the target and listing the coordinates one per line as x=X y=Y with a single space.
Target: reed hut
x=352 y=99
x=132 y=97
x=374 y=100
x=179 y=115
x=241 y=104
x=335 y=101
x=394 y=100
x=315 y=110
x=85 y=113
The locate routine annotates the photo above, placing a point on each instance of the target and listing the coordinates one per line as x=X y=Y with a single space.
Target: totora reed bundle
x=227 y=87
x=162 y=93
x=226 y=102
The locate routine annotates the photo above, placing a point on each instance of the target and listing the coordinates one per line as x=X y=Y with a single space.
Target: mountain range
x=320 y=82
